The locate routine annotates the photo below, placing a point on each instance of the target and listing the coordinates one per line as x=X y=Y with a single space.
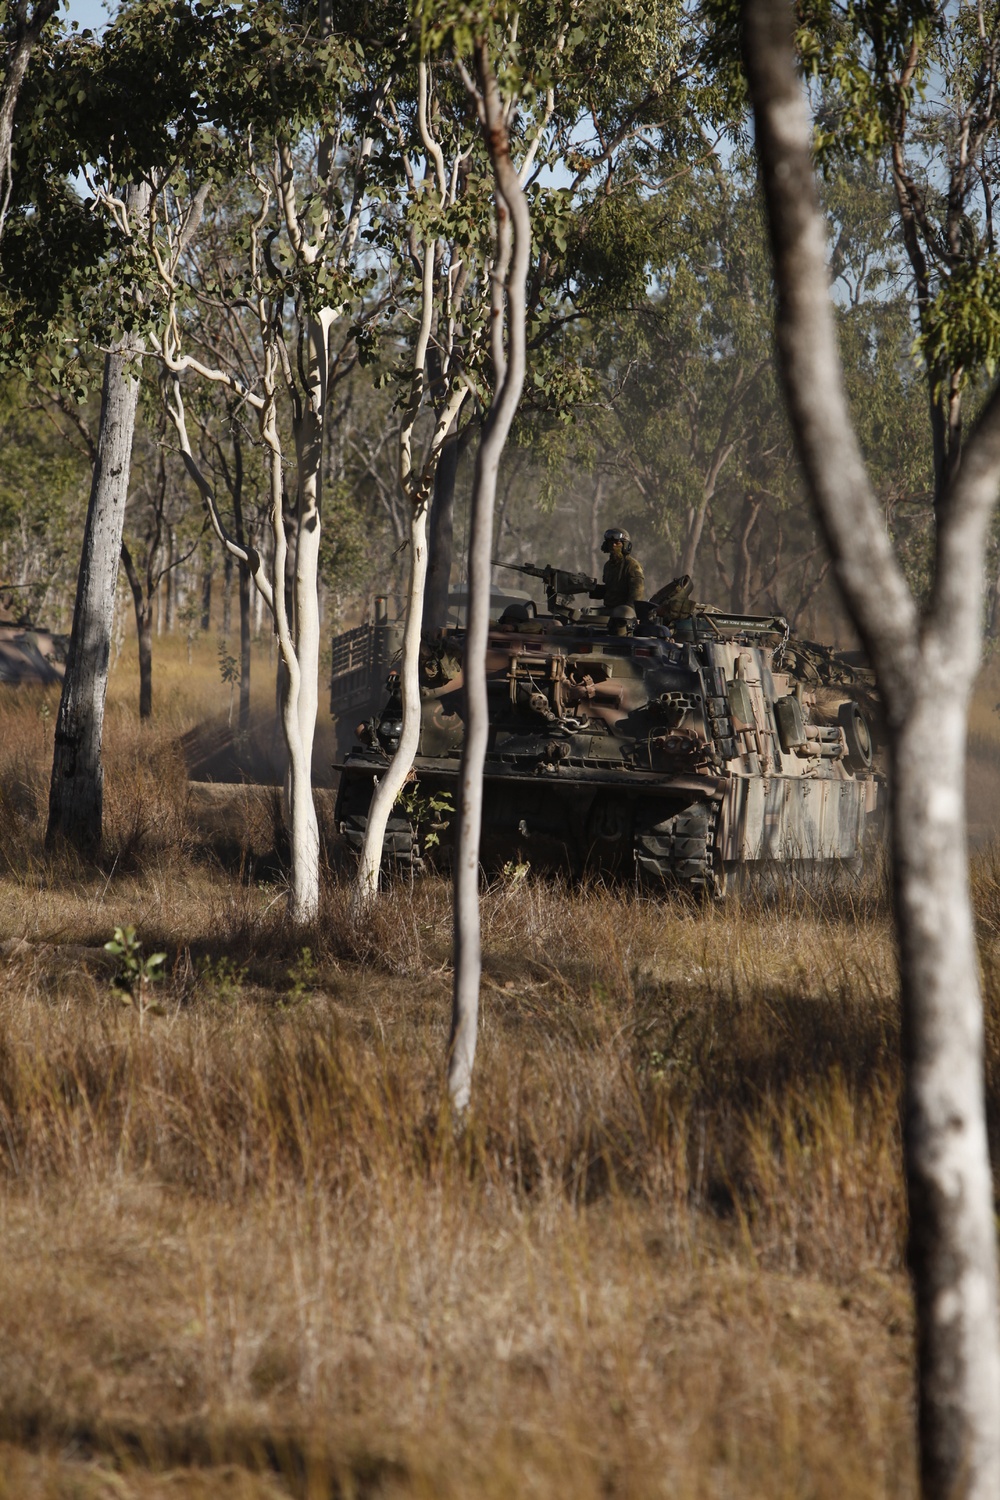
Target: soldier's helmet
x=516 y=614
x=622 y=620
x=616 y=534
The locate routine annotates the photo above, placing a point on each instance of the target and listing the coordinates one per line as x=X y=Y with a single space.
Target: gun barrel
x=528 y=568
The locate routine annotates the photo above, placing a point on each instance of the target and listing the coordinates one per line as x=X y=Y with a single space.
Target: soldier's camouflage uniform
x=624 y=582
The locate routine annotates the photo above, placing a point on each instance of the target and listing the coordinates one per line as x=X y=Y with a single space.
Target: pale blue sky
x=92 y=13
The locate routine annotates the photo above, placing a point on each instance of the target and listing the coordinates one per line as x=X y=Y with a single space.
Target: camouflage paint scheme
x=684 y=753
x=28 y=655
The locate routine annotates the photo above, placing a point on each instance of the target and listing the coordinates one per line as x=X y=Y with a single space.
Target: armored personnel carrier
x=682 y=746
x=29 y=655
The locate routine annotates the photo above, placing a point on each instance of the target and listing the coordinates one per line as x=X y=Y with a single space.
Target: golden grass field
x=245 y=1253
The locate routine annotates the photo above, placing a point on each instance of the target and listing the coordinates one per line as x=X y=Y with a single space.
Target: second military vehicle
x=678 y=743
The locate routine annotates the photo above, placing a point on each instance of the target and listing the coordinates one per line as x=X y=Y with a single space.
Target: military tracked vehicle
x=29 y=655
x=684 y=745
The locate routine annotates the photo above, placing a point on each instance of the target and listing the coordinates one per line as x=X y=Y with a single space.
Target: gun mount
x=560 y=586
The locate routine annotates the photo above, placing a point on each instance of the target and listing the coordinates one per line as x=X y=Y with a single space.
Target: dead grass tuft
x=25 y=761
x=146 y=797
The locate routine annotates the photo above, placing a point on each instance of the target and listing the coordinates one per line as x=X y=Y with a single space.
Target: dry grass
x=247 y=1254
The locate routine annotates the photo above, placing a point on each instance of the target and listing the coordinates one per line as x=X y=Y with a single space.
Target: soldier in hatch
x=624 y=582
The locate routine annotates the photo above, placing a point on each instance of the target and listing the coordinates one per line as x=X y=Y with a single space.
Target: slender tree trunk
x=596 y=534
x=442 y=535
x=76 y=793
x=307 y=707
x=243 y=577
x=227 y=594
x=171 y=602
x=143 y=634
x=743 y=564
x=944 y=397
x=300 y=690
x=513 y=254
x=280 y=686
x=416 y=487
x=243 y=581
x=952 y=1235
x=144 y=639
x=954 y=425
x=993 y=628
x=206 y=593
x=925 y=667
x=257 y=600
x=696 y=519
x=692 y=535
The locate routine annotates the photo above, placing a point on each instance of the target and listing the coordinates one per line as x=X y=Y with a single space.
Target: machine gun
x=560 y=586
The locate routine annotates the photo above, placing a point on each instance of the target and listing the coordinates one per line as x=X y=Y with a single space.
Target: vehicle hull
x=686 y=759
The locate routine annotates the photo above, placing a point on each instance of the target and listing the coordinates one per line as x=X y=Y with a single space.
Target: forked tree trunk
x=292 y=598
x=76 y=792
x=417 y=487
x=509 y=276
x=925 y=667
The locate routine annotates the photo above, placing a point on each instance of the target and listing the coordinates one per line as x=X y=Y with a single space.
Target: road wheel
x=400 y=849
x=857 y=736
